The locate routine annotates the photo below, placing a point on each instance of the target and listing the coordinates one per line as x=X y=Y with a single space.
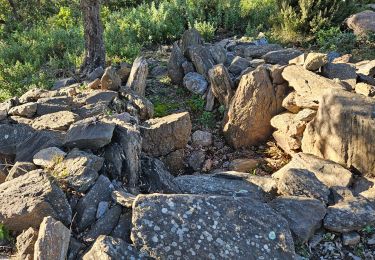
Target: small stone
x=351 y=238
x=243 y=165
x=48 y=157
x=202 y=138
x=315 y=61
x=238 y=65
x=102 y=208
x=195 y=82
x=196 y=160
x=110 y=79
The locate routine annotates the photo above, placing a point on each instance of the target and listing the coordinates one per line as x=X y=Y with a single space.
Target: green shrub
x=207 y=119
x=332 y=39
x=196 y=104
x=4 y=233
x=206 y=29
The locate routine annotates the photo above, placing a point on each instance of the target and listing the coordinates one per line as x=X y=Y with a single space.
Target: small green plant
x=329 y=236
x=4 y=233
x=368 y=229
x=222 y=110
x=332 y=39
x=207 y=119
x=206 y=29
x=164 y=108
x=196 y=104
x=166 y=80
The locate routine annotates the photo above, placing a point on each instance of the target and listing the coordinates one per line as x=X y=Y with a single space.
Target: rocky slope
x=88 y=172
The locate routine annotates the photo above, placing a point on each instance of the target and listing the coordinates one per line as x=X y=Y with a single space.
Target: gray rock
x=351 y=238
x=123 y=198
x=101 y=96
x=102 y=209
x=201 y=138
x=87 y=205
x=349 y=215
x=176 y=69
x=63 y=83
x=281 y=57
x=79 y=169
x=189 y=39
x=195 y=82
x=166 y=134
x=110 y=79
x=144 y=106
x=221 y=84
x=196 y=160
x=224 y=185
x=328 y=172
x=187 y=67
x=74 y=249
x=302 y=182
x=25 y=110
x=53 y=104
x=26 y=200
x=156 y=178
x=206 y=227
x=13 y=135
x=48 y=157
x=124 y=226
x=315 y=61
x=32 y=95
x=55 y=121
x=25 y=243
x=218 y=53
x=254 y=51
x=53 y=240
x=97 y=73
x=238 y=65
x=40 y=140
x=104 y=225
x=304 y=215
x=201 y=58
x=89 y=133
x=92 y=110
x=342 y=71
x=138 y=76
x=19 y=169
x=109 y=248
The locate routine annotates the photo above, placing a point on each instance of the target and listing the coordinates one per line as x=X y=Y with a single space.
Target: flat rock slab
x=166 y=134
x=101 y=96
x=26 y=200
x=304 y=215
x=342 y=71
x=281 y=57
x=55 y=121
x=343 y=131
x=209 y=227
x=349 y=215
x=110 y=248
x=255 y=51
x=328 y=172
x=89 y=133
x=53 y=240
x=219 y=185
x=11 y=136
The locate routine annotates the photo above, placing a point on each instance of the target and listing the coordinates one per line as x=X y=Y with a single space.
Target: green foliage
x=207 y=119
x=298 y=18
x=332 y=39
x=196 y=104
x=164 y=108
x=206 y=29
x=4 y=233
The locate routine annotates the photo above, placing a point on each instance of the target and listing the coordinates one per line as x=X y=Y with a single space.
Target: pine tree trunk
x=93 y=30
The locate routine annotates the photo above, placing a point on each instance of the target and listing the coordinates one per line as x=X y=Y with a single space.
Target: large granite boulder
x=209 y=227
x=247 y=121
x=26 y=200
x=343 y=131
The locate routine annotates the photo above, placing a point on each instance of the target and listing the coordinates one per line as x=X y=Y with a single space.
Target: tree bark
x=93 y=31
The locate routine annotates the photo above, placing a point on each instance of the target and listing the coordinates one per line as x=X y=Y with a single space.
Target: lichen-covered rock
x=349 y=215
x=166 y=134
x=26 y=200
x=13 y=135
x=48 y=157
x=195 y=82
x=247 y=121
x=343 y=131
x=304 y=215
x=219 y=185
x=209 y=227
x=53 y=240
x=109 y=248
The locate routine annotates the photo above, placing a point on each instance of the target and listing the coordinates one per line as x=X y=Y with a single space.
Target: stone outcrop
x=362 y=23
x=247 y=121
